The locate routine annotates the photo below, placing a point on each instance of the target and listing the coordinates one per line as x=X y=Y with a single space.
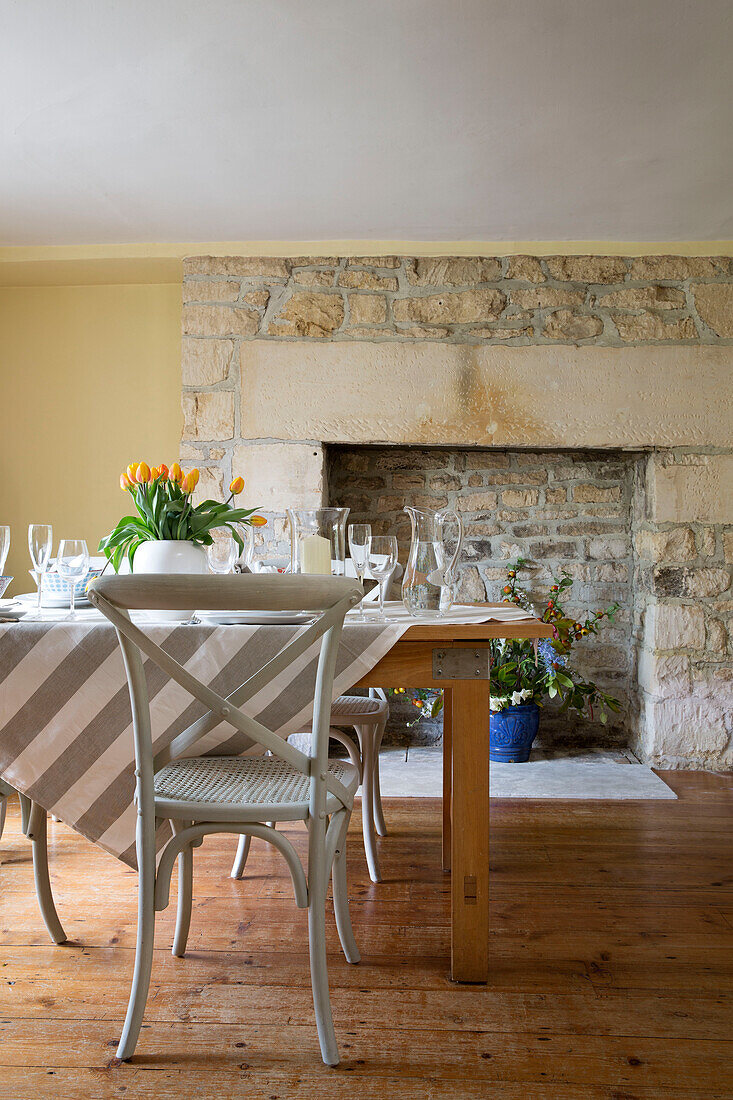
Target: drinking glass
x=4 y=547
x=382 y=559
x=72 y=563
x=223 y=552
x=359 y=535
x=40 y=540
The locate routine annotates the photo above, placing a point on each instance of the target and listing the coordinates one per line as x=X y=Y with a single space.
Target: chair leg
x=241 y=857
x=318 y=875
x=144 y=946
x=185 y=895
x=366 y=743
x=341 y=899
x=377 y=803
x=25 y=812
x=37 y=834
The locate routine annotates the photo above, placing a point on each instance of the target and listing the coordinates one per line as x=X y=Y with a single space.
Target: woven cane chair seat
x=357 y=706
x=245 y=782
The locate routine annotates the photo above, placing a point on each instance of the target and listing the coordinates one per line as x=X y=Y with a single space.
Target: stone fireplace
x=561 y=511
x=575 y=409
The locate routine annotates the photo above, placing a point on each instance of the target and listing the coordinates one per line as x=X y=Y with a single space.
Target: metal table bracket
x=462 y=663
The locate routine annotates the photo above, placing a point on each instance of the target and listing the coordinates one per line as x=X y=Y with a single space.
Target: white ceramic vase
x=170 y=556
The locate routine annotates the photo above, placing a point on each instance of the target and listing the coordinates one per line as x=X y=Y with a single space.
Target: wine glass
x=223 y=551
x=72 y=563
x=382 y=559
x=4 y=547
x=359 y=535
x=40 y=540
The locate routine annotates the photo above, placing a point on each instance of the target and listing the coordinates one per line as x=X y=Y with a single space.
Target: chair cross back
x=330 y=597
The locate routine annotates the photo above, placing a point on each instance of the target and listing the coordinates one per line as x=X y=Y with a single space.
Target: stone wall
x=604 y=300
x=283 y=357
x=560 y=510
x=683 y=541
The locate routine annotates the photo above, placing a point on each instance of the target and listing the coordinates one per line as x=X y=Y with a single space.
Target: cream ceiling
x=174 y=120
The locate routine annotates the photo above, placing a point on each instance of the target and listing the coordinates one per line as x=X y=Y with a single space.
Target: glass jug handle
x=449 y=572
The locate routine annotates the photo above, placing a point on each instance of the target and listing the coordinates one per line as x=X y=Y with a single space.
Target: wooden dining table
x=456 y=658
x=65 y=734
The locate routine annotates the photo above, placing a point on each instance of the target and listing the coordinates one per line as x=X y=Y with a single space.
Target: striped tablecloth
x=65 y=723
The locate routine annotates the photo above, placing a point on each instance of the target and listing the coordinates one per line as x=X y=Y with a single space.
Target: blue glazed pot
x=511 y=733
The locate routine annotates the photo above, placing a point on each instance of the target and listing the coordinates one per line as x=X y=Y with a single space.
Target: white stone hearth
x=588 y=775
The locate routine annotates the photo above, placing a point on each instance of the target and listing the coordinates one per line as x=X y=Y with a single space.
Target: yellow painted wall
x=89 y=381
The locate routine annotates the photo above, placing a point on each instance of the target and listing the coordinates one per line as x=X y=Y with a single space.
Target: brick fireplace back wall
x=561 y=510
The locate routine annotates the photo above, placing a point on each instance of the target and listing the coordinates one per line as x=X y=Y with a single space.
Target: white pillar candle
x=315 y=555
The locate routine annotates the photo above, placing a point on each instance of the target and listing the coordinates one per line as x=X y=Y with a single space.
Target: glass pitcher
x=428 y=587
x=318 y=540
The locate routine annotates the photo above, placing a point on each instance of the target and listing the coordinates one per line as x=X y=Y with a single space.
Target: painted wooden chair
x=368 y=717
x=33 y=821
x=241 y=794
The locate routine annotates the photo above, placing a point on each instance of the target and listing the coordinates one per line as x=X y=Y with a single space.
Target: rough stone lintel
x=454 y=395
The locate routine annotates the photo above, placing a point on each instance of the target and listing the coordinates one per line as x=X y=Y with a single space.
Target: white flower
x=497 y=703
x=518 y=697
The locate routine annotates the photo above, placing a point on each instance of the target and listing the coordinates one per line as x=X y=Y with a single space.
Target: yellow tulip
x=154 y=472
x=125 y=482
x=143 y=473
x=258 y=521
x=132 y=470
x=176 y=472
x=189 y=483
x=236 y=486
x=195 y=475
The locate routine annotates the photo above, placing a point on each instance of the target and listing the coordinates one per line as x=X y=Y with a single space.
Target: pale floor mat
x=593 y=775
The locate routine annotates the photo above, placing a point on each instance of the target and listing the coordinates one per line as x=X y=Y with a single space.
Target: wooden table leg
x=447 y=773
x=470 y=833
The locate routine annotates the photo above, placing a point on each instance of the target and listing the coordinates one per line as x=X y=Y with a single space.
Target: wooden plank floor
x=611 y=953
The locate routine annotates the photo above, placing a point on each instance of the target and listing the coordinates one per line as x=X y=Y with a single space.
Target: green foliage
x=519 y=675
x=165 y=511
x=516 y=670
x=428 y=702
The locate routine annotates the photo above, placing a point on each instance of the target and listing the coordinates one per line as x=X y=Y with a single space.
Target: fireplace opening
x=562 y=511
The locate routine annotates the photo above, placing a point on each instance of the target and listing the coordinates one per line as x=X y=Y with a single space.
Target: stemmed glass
x=382 y=559
x=359 y=535
x=72 y=563
x=40 y=540
x=4 y=547
x=223 y=552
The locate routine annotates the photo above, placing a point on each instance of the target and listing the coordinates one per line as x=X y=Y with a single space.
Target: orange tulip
x=143 y=473
x=236 y=486
x=189 y=483
x=154 y=472
x=176 y=472
x=132 y=470
x=125 y=482
x=164 y=471
x=258 y=521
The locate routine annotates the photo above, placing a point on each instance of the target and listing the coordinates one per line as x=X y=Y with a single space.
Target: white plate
x=255 y=618
x=52 y=601
x=14 y=613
